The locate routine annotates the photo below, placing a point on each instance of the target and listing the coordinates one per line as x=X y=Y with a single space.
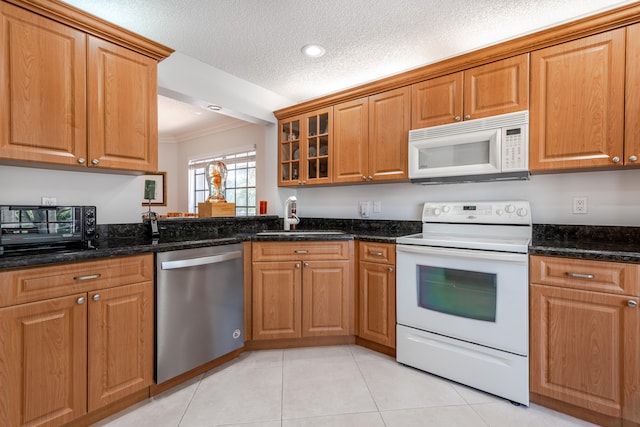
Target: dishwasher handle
x=193 y=262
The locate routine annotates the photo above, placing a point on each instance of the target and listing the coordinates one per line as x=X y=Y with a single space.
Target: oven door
x=471 y=295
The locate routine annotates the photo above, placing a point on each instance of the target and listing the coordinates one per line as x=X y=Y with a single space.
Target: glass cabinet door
x=290 y=155
x=318 y=146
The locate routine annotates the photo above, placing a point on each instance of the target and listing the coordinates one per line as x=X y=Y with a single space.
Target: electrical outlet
x=365 y=209
x=48 y=201
x=377 y=206
x=580 y=204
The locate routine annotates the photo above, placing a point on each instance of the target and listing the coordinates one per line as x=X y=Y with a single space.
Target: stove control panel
x=495 y=212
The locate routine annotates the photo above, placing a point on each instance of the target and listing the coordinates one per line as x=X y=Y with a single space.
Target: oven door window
x=461 y=293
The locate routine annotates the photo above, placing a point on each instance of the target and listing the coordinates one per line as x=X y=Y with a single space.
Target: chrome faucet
x=290 y=217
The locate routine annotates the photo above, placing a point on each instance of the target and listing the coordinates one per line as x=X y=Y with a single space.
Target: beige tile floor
x=328 y=386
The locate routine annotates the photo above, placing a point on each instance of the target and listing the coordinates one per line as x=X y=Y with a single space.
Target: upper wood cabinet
x=632 y=106
x=577 y=103
x=370 y=137
x=73 y=99
x=305 y=149
x=496 y=88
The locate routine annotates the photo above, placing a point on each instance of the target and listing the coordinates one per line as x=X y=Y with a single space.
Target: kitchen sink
x=299 y=233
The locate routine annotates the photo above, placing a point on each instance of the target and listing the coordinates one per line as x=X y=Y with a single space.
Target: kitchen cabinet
x=499 y=87
x=73 y=99
x=585 y=325
x=370 y=138
x=377 y=293
x=74 y=338
x=577 y=103
x=632 y=96
x=306 y=149
x=302 y=289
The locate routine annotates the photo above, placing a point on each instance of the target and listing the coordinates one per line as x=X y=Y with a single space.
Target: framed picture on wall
x=155 y=185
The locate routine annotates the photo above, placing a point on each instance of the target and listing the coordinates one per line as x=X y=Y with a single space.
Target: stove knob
x=446 y=209
x=436 y=212
x=522 y=212
x=499 y=212
x=509 y=209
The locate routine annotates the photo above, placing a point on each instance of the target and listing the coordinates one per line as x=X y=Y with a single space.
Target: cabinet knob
x=456 y=118
x=467 y=116
x=370 y=178
x=80 y=300
x=306 y=264
x=364 y=178
x=633 y=158
x=82 y=160
x=95 y=161
x=632 y=303
x=297 y=265
x=96 y=297
x=616 y=159
x=390 y=269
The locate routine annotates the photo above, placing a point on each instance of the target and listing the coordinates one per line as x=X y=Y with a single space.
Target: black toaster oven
x=25 y=228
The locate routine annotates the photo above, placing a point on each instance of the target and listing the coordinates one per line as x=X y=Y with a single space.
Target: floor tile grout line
x=364 y=379
x=202 y=377
x=282 y=387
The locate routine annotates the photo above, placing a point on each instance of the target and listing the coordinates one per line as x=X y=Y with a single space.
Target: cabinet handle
x=297 y=265
x=375 y=253
x=306 y=264
x=616 y=159
x=580 y=276
x=633 y=159
x=631 y=303
x=96 y=297
x=467 y=116
x=89 y=277
x=95 y=161
x=80 y=300
x=82 y=160
x=390 y=269
x=456 y=118
x=301 y=251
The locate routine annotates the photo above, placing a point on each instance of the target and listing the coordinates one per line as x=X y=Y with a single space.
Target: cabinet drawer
x=378 y=252
x=600 y=276
x=38 y=283
x=284 y=251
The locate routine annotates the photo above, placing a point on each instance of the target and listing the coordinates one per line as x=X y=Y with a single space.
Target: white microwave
x=491 y=148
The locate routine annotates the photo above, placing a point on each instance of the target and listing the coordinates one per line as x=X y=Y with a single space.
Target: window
x=241 y=181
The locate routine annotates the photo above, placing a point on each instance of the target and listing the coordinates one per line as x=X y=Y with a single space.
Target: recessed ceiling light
x=214 y=107
x=313 y=50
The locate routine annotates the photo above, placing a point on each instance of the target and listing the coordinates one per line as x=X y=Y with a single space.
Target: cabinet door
x=497 y=88
x=632 y=107
x=120 y=343
x=389 y=122
x=327 y=302
x=436 y=101
x=577 y=103
x=123 y=112
x=276 y=300
x=585 y=349
x=351 y=141
x=317 y=147
x=42 y=89
x=377 y=303
x=289 y=162
x=43 y=362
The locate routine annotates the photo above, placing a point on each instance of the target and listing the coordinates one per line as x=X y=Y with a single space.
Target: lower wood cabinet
x=585 y=335
x=64 y=356
x=302 y=289
x=377 y=293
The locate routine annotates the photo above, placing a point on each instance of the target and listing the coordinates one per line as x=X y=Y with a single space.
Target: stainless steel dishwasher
x=199 y=307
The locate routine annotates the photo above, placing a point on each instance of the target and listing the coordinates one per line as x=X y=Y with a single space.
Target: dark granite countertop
x=132 y=239
x=604 y=243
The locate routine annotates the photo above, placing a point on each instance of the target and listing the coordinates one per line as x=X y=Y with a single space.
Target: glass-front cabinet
x=305 y=149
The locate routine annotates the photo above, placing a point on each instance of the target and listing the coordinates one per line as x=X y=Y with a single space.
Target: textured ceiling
x=260 y=40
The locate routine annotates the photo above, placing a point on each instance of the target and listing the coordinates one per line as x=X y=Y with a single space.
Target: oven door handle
x=464 y=253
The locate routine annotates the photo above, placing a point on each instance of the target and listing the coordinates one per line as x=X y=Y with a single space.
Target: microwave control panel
x=515 y=148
